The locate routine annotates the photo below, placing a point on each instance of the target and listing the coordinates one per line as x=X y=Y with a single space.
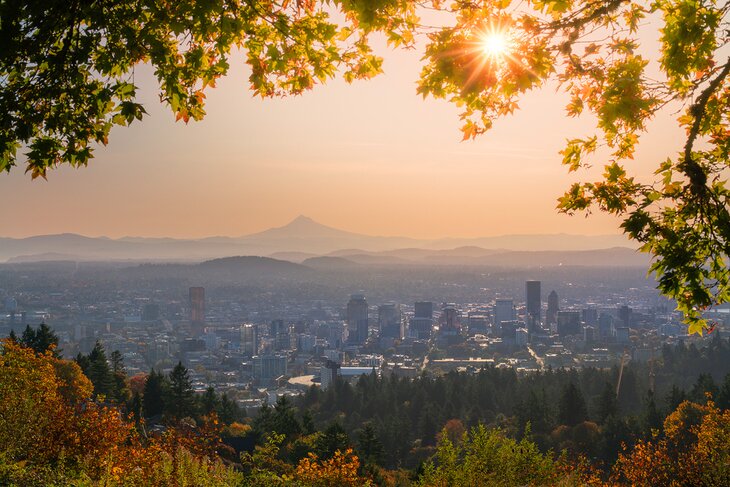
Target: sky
x=372 y=157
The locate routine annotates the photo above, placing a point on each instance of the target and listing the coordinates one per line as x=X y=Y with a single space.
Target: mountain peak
x=301 y=220
x=303 y=227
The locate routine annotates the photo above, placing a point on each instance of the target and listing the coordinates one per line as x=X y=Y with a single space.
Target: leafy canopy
x=67 y=77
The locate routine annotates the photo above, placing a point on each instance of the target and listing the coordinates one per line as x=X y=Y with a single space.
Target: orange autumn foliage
x=338 y=471
x=46 y=413
x=695 y=450
x=52 y=432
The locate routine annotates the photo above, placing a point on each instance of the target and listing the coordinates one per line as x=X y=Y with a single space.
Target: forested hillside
x=83 y=422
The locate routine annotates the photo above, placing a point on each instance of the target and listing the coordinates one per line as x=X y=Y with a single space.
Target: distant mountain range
x=303 y=239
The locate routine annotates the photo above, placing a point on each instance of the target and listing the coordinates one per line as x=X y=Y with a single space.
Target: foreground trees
x=53 y=432
x=66 y=78
x=693 y=450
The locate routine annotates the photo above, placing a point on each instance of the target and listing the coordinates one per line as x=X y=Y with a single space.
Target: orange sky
x=372 y=158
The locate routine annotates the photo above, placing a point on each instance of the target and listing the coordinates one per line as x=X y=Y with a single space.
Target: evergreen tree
x=675 y=397
x=723 y=396
x=307 y=423
x=45 y=338
x=572 y=408
x=27 y=339
x=135 y=406
x=229 y=410
x=607 y=404
x=614 y=434
x=284 y=418
x=209 y=402
x=369 y=445
x=39 y=340
x=12 y=336
x=333 y=438
x=153 y=403
x=121 y=389
x=535 y=411
x=96 y=368
x=705 y=385
x=652 y=418
x=180 y=400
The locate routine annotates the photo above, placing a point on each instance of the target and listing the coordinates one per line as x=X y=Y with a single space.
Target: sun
x=494 y=45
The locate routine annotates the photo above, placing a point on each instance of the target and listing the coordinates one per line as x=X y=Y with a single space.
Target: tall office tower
x=569 y=323
x=533 y=299
x=504 y=310
x=249 y=339
x=389 y=321
x=196 y=304
x=551 y=316
x=357 y=319
x=449 y=320
x=590 y=316
x=420 y=325
x=624 y=314
x=276 y=327
x=605 y=325
x=423 y=309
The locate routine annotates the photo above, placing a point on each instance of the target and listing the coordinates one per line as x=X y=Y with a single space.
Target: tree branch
x=689 y=166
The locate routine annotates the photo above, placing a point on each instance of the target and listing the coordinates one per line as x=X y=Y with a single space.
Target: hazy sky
x=371 y=157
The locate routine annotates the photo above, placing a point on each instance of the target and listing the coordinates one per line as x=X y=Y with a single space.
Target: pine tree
x=153 y=397
x=307 y=423
x=534 y=410
x=121 y=389
x=723 y=396
x=27 y=339
x=45 y=338
x=230 y=411
x=333 y=438
x=284 y=420
x=705 y=385
x=99 y=372
x=572 y=409
x=39 y=340
x=675 y=397
x=180 y=401
x=369 y=445
x=209 y=402
x=652 y=418
x=135 y=406
x=607 y=404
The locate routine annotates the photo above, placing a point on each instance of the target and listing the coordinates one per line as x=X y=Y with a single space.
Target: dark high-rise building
x=605 y=325
x=196 y=304
x=424 y=309
x=624 y=314
x=276 y=327
x=590 y=316
x=533 y=299
x=504 y=310
x=151 y=312
x=450 y=320
x=357 y=319
x=421 y=324
x=551 y=316
x=569 y=323
x=389 y=321
x=249 y=339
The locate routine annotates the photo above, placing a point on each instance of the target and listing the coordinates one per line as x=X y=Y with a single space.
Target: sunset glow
x=495 y=45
